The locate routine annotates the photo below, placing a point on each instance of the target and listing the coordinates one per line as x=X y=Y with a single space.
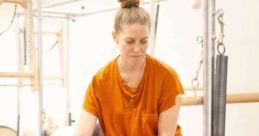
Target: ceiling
x=80 y=6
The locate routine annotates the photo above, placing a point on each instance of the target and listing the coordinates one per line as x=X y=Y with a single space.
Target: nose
x=137 y=48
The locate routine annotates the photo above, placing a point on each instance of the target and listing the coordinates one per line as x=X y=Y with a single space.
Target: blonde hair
x=130 y=13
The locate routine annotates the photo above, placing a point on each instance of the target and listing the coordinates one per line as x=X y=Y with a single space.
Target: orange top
x=122 y=112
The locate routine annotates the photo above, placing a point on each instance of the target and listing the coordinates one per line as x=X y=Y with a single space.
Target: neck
x=131 y=73
x=130 y=66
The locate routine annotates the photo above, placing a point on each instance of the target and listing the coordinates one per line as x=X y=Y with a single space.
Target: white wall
x=178 y=26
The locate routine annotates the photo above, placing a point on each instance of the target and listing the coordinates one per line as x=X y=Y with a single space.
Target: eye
x=144 y=41
x=129 y=41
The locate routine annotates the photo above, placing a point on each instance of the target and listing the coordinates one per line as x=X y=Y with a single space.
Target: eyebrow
x=140 y=39
x=145 y=38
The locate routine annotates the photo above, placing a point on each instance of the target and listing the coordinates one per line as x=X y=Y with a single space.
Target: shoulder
x=105 y=72
x=160 y=66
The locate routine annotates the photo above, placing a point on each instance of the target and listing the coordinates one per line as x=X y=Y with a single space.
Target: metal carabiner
x=220 y=14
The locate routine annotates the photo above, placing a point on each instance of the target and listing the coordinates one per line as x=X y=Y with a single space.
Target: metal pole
x=152 y=30
x=40 y=71
x=74 y=15
x=207 y=69
x=214 y=91
x=19 y=63
x=61 y=3
x=67 y=72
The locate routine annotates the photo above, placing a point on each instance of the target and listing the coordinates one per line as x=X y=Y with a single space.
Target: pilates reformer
x=215 y=96
x=30 y=56
x=182 y=100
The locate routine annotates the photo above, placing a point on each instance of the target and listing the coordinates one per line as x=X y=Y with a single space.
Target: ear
x=115 y=37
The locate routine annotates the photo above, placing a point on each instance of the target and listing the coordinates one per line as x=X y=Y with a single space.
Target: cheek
x=123 y=48
x=145 y=47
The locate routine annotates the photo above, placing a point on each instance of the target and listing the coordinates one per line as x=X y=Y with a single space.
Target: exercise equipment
x=7 y=131
x=215 y=96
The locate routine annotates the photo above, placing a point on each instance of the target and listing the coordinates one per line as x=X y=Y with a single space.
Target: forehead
x=135 y=30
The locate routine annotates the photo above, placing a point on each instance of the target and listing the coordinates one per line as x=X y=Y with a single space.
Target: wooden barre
x=45 y=32
x=184 y=100
x=23 y=3
x=27 y=75
x=190 y=89
x=17 y=74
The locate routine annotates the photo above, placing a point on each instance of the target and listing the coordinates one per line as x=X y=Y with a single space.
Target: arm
x=167 y=121
x=86 y=124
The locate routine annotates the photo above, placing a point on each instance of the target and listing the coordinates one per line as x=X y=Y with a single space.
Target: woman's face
x=132 y=41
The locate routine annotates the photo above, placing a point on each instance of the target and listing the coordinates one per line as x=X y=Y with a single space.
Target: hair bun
x=129 y=3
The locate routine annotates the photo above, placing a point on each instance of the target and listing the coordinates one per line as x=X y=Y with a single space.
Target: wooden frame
x=23 y=3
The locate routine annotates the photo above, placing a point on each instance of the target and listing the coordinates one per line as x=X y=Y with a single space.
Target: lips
x=136 y=56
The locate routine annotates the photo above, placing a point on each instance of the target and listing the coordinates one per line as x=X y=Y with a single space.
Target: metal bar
x=83 y=14
x=19 y=63
x=215 y=70
x=60 y=13
x=61 y=3
x=67 y=64
x=152 y=29
x=48 y=16
x=51 y=13
x=216 y=95
x=156 y=20
x=53 y=16
x=41 y=120
x=24 y=47
x=207 y=69
x=112 y=9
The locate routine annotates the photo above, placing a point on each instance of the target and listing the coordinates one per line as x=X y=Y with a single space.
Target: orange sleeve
x=171 y=87
x=90 y=103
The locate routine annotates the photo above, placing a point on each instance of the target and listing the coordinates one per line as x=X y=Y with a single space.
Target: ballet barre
x=240 y=97
x=17 y=74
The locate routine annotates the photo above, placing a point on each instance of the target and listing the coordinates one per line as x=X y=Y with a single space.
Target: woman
x=134 y=94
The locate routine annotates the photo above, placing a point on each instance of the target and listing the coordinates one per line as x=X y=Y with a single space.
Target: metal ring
x=195 y=83
x=220 y=12
x=221 y=48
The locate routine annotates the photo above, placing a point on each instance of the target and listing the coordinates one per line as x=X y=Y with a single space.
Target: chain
x=195 y=80
x=220 y=43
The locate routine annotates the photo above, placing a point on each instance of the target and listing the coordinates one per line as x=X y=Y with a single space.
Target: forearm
x=86 y=124
x=167 y=122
